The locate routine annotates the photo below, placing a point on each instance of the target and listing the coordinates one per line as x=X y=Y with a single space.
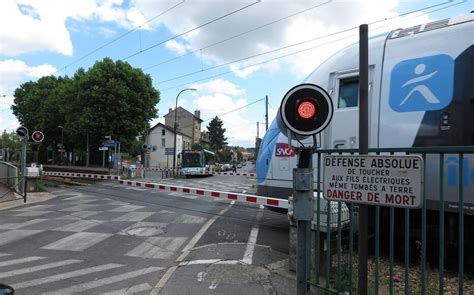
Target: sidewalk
x=30 y=199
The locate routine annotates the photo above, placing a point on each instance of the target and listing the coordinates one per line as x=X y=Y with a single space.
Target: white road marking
x=127 y=208
x=77 y=241
x=31 y=269
x=105 y=281
x=16 y=234
x=157 y=247
x=248 y=254
x=20 y=260
x=185 y=218
x=201 y=232
x=213 y=285
x=209 y=261
x=78 y=208
x=21 y=224
x=85 y=213
x=161 y=283
x=79 y=226
x=66 y=275
x=134 y=216
x=131 y=290
x=33 y=213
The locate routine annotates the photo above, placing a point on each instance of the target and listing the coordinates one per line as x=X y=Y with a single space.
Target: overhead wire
x=118 y=38
x=291 y=45
x=299 y=51
x=240 y=34
x=190 y=30
x=229 y=112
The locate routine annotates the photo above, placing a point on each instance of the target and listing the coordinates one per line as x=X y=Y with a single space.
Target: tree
x=110 y=98
x=216 y=134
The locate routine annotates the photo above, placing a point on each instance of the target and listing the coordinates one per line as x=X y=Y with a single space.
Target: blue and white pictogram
x=422 y=84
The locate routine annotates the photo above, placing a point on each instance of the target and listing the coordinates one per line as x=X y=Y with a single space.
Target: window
x=348 y=93
x=163 y=142
x=163 y=132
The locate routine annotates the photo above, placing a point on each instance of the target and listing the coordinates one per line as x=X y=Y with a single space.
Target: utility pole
x=258 y=130
x=266 y=112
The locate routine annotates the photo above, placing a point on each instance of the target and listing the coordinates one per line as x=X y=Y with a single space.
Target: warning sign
x=375 y=180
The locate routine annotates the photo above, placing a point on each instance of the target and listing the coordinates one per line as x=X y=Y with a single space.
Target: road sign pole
x=363 y=150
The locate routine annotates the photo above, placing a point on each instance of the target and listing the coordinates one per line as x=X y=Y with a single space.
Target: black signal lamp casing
x=303 y=125
x=37 y=136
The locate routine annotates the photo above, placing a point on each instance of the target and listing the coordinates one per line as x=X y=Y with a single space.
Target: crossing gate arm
x=243 y=198
x=81 y=175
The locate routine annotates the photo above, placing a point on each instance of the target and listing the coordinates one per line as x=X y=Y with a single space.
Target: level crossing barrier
x=243 y=198
x=81 y=175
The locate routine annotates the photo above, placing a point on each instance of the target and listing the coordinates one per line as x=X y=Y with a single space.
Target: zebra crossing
x=78 y=271
x=72 y=233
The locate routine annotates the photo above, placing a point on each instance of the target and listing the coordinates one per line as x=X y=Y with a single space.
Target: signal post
x=305 y=111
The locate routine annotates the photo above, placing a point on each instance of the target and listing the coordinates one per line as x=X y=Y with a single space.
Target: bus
x=196 y=162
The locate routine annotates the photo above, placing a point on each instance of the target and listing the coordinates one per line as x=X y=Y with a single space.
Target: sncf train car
x=421 y=94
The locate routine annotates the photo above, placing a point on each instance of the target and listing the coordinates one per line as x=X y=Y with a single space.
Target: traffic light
x=22 y=131
x=144 y=146
x=305 y=110
x=37 y=136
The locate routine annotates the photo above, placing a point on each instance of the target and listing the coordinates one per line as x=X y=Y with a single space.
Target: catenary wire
x=117 y=38
x=191 y=30
x=305 y=49
x=291 y=45
x=239 y=35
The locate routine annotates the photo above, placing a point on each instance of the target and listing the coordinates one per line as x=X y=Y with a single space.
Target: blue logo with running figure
x=422 y=84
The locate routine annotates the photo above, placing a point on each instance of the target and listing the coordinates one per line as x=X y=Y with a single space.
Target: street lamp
x=62 y=142
x=176 y=124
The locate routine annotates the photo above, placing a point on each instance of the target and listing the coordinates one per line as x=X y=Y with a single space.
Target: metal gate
x=414 y=251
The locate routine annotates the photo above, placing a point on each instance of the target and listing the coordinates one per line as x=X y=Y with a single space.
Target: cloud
x=219 y=86
x=14 y=71
x=330 y=17
x=176 y=47
x=34 y=26
x=218 y=97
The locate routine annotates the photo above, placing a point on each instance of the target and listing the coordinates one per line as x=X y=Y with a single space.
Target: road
x=108 y=238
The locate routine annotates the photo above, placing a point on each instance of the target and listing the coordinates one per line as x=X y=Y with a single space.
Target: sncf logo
x=283 y=150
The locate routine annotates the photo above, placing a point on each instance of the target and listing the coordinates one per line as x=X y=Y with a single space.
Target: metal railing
x=412 y=257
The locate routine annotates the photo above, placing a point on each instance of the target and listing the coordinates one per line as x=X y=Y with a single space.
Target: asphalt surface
x=109 y=238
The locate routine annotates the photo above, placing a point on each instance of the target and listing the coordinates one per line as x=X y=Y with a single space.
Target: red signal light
x=307 y=109
x=37 y=136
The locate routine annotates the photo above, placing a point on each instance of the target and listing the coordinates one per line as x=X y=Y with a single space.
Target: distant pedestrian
x=234 y=169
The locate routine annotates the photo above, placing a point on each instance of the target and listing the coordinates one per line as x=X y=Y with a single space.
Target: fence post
x=363 y=150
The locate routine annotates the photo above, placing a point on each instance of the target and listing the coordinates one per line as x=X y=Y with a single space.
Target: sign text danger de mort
x=375 y=180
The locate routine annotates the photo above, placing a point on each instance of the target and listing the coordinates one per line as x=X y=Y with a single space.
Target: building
x=188 y=124
x=205 y=139
x=162 y=137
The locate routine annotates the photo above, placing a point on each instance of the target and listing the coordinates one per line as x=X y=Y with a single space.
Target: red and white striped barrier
x=157 y=169
x=203 y=173
x=81 y=175
x=244 y=198
x=234 y=174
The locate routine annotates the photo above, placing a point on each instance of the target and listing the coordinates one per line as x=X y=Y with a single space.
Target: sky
x=234 y=53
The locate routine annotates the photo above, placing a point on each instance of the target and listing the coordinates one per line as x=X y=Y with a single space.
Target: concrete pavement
x=110 y=238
